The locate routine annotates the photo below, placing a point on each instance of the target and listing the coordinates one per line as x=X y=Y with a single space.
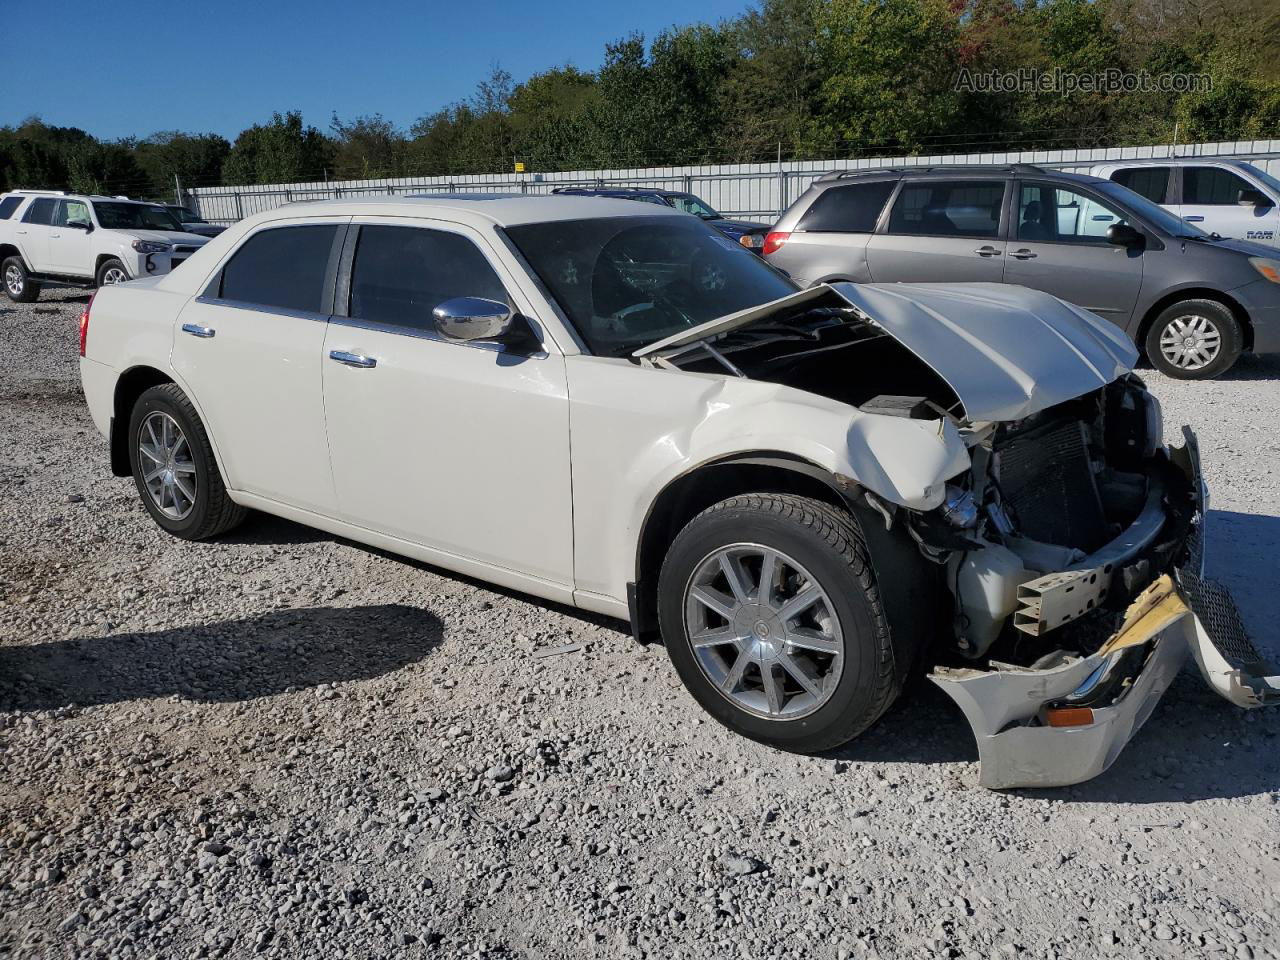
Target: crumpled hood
x=1006 y=351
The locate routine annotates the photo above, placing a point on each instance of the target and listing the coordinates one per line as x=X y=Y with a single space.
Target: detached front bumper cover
x=1106 y=697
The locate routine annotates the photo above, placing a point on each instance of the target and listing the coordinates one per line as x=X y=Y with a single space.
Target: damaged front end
x=1077 y=569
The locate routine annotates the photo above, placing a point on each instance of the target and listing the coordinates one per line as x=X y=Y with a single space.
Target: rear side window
x=8 y=205
x=948 y=208
x=284 y=267
x=1150 y=182
x=851 y=209
x=40 y=211
x=1212 y=186
x=401 y=274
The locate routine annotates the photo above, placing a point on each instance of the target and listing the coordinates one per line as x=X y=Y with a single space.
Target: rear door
x=69 y=248
x=941 y=230
x=250 y=350
x=1059 y=245
x=31 y=233
x=1211 y=200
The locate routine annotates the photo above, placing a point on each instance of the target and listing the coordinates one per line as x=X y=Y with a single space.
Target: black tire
x=1215 y=319
x=14 y=274
x=828 y=543
x=212 y=512
x=107 y=265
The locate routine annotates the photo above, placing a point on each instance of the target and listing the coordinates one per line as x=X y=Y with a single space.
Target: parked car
x=84 y=241
x=746 y=232
x=1190 y=301
x=600 y=403
x=1232 y=198
x=193 y=222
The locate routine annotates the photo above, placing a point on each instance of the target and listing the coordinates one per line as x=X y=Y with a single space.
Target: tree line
x=809 y=79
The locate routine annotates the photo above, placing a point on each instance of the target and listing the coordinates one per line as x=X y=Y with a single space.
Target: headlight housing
x=150 y=246
x=1267 y=267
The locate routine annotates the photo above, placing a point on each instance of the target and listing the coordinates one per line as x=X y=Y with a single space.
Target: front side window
x=134 y=216
x=401 y=274
x=70 y=211
x=8 y=205
x=1149 y=182
x=851 y=209
x=625 y=282
x=40 y=211
x=1212 y=186
x=284 y=267
x=948 y=208
x=688 y=203
x=1054 y=214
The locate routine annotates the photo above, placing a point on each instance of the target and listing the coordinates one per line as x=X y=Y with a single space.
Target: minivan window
x=8 y=205
x=1053 y=214
x=1212 y=186
x=40 y=211
x=948 y=208
x=284 y=267
x=1150 y=182
x=401 y=274
x=851 y=209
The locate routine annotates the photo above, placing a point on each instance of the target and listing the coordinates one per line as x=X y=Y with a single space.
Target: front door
x=459 y=447
x=941 y=231
x=250 y=349
x=70 y=252
x=1059 y=245
x=1211 y=200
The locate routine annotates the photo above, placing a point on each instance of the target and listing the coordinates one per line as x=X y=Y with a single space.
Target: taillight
x=84 y=324
x=773 y=242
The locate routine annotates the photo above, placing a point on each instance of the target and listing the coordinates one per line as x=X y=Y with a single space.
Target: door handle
x=987 y=251
x=1023 y=254
x=1193 y=219
x=198 y=331
x=353 y=359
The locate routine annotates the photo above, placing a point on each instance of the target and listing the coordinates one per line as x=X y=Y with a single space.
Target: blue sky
x=219 y=66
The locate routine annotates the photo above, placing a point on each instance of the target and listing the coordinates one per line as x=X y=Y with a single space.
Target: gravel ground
x=283 y=744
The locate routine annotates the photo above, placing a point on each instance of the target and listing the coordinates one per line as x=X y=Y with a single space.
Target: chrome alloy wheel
x=1191 y=342
x=168 y=472
x=763 y=631
x=13 y=280
x=114 y=275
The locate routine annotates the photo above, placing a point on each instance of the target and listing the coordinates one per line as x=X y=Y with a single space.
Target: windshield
x=184 y=215
x=1154 y=214
x=135 y=216
x=626 y=282
x=688 y=203
x=1263 y=176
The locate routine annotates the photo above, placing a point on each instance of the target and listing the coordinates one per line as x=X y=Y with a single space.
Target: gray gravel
x=285 y=745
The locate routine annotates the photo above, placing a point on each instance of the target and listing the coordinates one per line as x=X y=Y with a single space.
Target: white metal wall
x=754 y=191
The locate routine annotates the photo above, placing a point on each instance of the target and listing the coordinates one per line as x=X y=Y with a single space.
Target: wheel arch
x=103 y=258
x=129 y=387
x=8 y=250
x=1194 y=293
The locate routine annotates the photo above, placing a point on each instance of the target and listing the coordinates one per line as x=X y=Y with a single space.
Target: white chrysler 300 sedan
x=806 y=493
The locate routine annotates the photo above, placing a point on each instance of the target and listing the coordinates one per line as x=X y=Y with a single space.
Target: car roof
x=64 y=195
x=1174 y=162
x=498 y=209
x=954 y=171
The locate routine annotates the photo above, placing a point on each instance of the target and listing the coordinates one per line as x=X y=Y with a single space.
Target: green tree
x=194 y=158
x=366 y=148
x=282 y=151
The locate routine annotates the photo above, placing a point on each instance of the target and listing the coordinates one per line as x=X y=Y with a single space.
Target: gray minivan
x=1191 y=301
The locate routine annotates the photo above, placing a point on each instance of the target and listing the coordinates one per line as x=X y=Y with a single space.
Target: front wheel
x=1194 y=340
x=174 y=467
x=112 y=271
x=18 y=285
x=771 y=615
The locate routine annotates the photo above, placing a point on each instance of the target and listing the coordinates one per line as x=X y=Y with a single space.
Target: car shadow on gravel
x=223 y=662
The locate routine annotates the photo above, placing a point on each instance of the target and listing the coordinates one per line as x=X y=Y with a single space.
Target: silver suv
x=1190 y=300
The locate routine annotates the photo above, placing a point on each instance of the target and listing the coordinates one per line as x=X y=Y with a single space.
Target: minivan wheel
x=1194 y=340
x=772 y=618
x=174 y=468
x=18 y=285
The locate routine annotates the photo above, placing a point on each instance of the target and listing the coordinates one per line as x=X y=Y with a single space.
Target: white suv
x=612 y=405
x=65 y=239
x=1232 y=198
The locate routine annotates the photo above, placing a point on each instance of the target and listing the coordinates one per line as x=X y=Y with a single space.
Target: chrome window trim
x=261 y=308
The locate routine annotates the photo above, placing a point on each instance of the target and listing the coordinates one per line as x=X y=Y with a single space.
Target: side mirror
x=84 y=225
x=1123 y=235
x=475 y=318
x=1253 y=198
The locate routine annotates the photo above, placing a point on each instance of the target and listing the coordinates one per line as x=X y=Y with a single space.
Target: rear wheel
x=112 y=271
x=771 y=616
x=18 y=285
x=1194 y=340
x=174 y=467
